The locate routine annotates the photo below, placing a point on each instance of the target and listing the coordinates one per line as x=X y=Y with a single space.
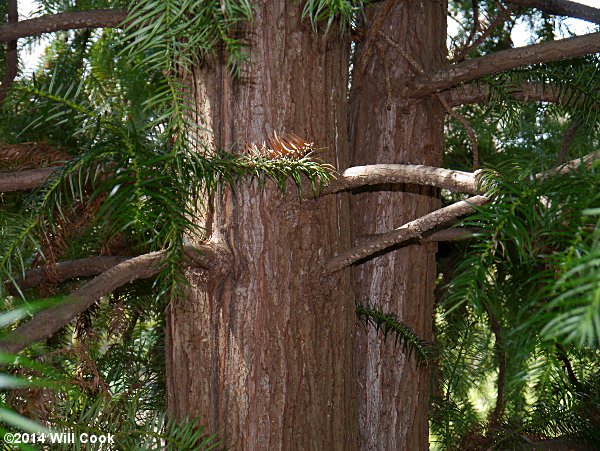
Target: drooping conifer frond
x=403 y=335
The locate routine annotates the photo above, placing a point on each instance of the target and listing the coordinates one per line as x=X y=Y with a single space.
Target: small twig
x=474 y=29
x=498 y=20
x=463 y=121
x=561 y=354
x=501 y=355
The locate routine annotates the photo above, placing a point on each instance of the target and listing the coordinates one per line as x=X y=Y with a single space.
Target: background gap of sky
x=520 y=36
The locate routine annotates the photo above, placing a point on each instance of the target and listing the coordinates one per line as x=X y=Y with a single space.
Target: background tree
x=145 y=160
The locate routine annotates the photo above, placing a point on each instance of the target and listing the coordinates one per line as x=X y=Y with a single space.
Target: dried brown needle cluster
x=288 y=146
x=31 y=155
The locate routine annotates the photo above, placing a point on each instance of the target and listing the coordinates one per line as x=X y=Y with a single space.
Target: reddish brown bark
x=264 y=355
x=393 y=392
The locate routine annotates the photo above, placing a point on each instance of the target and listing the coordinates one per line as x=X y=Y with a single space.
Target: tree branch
x=101 y=18
x=49 y=321
x=586 y=161
x=84 y=267
x=414 y=229
x=25 y=180
x=410 y=230
x=358 y=176
x=525 y=92
x=502 y=61
x=562 y=8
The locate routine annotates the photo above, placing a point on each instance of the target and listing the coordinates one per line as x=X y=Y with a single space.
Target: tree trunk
x=393 y=392
x=264 y=354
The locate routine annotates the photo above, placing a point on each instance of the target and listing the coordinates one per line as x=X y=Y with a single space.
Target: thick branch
x=102 y=18
x=478 y=93
x=502 y=61
x=358 y=176
x=449 y=235
x=408 y=231
x=49 y=321
x=25 y=180
x=562 y=8
x=416 y=228
x=84 y=267
x=569 y=166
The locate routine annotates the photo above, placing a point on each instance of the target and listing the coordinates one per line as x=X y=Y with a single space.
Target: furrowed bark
x=267 y=352
x=500 y=62
x=102 y=18
x=562 y=8
x=393 y=392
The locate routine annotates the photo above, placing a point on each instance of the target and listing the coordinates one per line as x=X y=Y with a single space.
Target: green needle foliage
x=403 y=335
x=520 y=314
x=518 y=317
x=132 y=174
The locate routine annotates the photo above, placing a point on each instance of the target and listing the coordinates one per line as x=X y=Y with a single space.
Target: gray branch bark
x=25 y=180
x=410 y=230
x=502 y=61
x=102 y=18
x=456 y=181
x=414 y=229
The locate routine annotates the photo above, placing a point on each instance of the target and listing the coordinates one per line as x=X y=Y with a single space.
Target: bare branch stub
x=374 y=174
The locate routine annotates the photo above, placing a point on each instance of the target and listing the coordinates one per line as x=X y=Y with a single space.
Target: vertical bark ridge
x=265 y=356
x=393 y=392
